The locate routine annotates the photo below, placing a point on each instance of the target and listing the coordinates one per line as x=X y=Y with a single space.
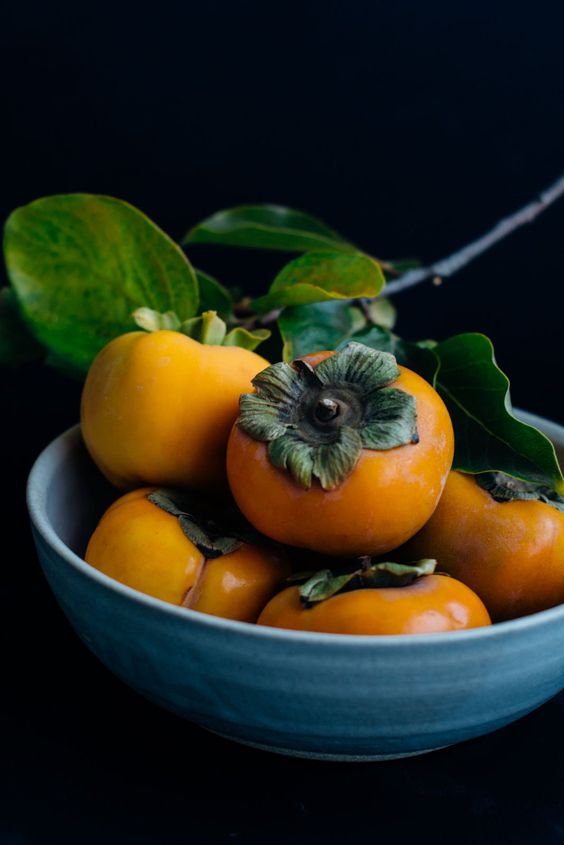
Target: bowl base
x=318 y=755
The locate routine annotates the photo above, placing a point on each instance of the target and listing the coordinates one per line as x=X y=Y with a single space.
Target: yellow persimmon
x=145 y=547
x=157 y=408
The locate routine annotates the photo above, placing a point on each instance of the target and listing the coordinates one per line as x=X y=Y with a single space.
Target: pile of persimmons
x=316 y=495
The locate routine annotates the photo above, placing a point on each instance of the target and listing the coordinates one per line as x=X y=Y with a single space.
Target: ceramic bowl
x=313 y=695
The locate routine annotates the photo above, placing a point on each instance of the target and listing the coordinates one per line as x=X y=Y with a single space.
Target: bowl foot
x=318 y=755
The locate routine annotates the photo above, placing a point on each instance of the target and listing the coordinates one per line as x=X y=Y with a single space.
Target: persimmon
x=420 y=602
x=166 y=552
x=502 y=537
x=341 y=453
x=157 y=408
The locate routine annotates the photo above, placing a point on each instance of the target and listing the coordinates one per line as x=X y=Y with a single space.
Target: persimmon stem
x=453 y=263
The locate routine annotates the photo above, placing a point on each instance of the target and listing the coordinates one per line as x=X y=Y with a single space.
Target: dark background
x=411 y=128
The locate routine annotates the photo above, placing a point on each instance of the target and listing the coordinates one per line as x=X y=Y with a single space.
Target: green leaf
x=213 y=539
x=152 y=321
x=324 y=585
x=320 y=276
x=213 y=296
x=488 y=436
x=358 y=364
x=381 y=312
x=81 y=264
x=259 y=418
x=418 y=356
x=266 y=227
x=17 y=344
x=504 y=488
x=246 y=338
x=208 y=328
x=289 y=452
x=391 y=420
x=323 y=325
x=335 y=461
x=388 y=574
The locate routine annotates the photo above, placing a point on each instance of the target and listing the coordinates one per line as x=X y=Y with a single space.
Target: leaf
x=418 y=356
x=320 y=276
x=360 y=365
x=210 y=545
x=81 y=264
x=391 y=420
x=210 y=538
x=289 y=452
x=335 y=461
x=213 y=296
x=266 y=227
x=323 y=585
x=381 y=312
x=323 y=325
x=504 y=488
x=17 y=344
x=488 y=437
x=259 y=418
x=208 y=328
x=388 y=574
x=151 y=321
x=246 y=338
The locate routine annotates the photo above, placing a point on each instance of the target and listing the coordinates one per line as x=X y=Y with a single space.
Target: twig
x=449 y=266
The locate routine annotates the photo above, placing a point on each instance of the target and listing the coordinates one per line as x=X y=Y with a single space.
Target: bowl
x=337 y=697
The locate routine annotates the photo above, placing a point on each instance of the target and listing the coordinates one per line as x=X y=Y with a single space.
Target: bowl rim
x=36 y=496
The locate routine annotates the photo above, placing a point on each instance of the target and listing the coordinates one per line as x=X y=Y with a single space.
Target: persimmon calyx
x=324 y=584
x=505 y=488
x=212 y=538
x=317 y=421
x=208 y=328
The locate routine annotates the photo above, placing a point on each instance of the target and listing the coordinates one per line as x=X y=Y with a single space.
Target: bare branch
x=453 y=263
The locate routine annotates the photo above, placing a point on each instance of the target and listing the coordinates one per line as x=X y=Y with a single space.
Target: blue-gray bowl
x=316 y=695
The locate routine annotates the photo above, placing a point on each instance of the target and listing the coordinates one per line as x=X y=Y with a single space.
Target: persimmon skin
x=386 y=499
x=157 y=408
x=432 y=604
x=238 y=585
x=510 y=553
x=144 y=547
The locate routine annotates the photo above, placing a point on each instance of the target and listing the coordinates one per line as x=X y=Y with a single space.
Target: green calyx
x=208 y=328
x=324 y=585
x=222 y=535
x=505 y=488
x=317 y=421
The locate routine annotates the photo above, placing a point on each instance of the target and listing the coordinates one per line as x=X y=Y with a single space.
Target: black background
x=411 y=128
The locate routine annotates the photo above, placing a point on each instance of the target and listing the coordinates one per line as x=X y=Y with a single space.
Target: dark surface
x=409 y=127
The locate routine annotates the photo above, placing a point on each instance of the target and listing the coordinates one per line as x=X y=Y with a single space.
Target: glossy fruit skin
x=510 y=553
x=157 y=408
x=238 y=585
x=432 y=604
x=143 y=546
x=385 y=500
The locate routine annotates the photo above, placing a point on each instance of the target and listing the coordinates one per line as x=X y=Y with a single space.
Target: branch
x=453 y=263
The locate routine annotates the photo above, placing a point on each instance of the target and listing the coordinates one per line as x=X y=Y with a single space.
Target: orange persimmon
x=342 y=453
